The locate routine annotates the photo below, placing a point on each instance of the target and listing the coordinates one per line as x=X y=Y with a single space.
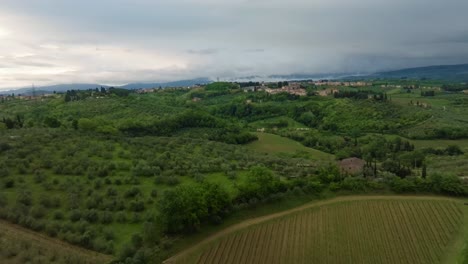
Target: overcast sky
x=121 y=41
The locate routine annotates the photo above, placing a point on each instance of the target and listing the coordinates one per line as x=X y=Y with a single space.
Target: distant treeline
x=225 y=132
x=455 y=87
x=378 y=96
x=248 y=84
x=428 y=93
x=76 y=95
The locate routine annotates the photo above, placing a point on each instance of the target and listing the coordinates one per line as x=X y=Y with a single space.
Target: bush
x=58 y=215
x=453 y=150
x=4 y=172
x=127 y=251
x=111 y=192
x=25 y=198
x=38 y=211
x=121 y=217
x=45 y=201
x=39 y=177
x=9 y=183
x=106 y=217
x=143 y=169
x=52 y=229
x=173 y=180
x=4 y=147
x=297 y=191
x=75 y=215
x=447 y=184
x=399 y=185
x=313 y=187
x=99 y=244
x=354 y=184
x=183 y=208
x=131 y=193
x=3 y=200
x=87 y=124
x=137 y=206
x=261 y=182
x=91 y=216
x=232 y=175
x=151 y=233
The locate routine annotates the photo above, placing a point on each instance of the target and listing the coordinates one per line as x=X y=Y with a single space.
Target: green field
x=344 y=230
x=271 y=122
x=143 y=176
x=437 y=144
x=441 y=143
x=443 y=111
x=457 y=165
x=275 y=144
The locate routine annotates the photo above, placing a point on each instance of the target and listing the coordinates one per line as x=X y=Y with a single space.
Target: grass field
x=275 y=144
x=434 y=143
x=19 y=245
x=446 y=110
x=456 y=165
x=269 y=122
x=440 y=143
x=376 y=229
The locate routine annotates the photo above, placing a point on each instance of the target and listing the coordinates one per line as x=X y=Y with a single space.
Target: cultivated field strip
x=357 y=231
x=21 y=245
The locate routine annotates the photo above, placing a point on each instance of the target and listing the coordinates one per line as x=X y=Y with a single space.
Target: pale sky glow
x=4 y=32
x=120 y=41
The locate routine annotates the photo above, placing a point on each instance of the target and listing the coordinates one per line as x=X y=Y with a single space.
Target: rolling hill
x=86 y=86
x=441 y=72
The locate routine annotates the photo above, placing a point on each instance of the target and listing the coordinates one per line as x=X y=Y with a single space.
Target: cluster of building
x=147 y=90
x=294 y=88
x=328 y=91
x=287 y=89
x=335 y=83
x=410 y=86
x=156 y=89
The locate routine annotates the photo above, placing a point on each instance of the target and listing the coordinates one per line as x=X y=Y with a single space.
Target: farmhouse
x=351 y=165
x=328 y=92
x=144 y=91
x=251 y=88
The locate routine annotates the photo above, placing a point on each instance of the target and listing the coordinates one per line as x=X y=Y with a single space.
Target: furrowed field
x=364 y=230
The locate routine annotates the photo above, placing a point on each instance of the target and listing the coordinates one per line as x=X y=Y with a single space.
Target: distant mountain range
x=442 y=72
x=182 y=83
x=454 y=73
x=85 y=86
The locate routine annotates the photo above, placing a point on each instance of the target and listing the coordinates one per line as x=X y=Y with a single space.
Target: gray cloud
x=254 y=50
x=16 y=63
x=118 y=41
x=203 y=51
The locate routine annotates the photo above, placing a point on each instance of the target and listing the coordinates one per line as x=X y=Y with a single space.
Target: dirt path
x=46 y=241
x=257 y=220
